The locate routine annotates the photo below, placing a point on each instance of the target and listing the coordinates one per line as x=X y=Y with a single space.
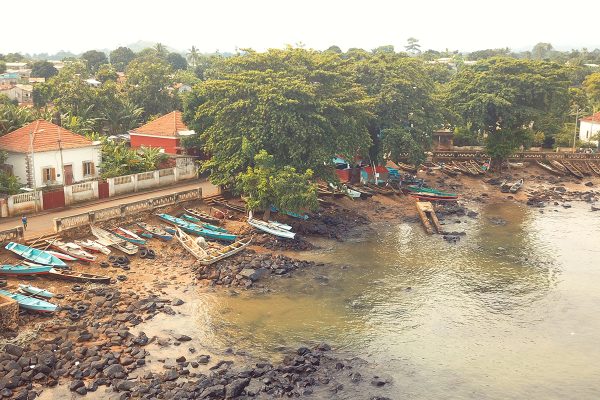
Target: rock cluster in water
x=246 y=269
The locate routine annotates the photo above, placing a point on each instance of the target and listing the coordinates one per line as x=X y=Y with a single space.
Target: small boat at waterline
x=516 y=186
x=190 y=244
x=270 y=228
x=224 y=252
x=78 y=276
x=192 y=228
x=155 y=231
x=30 y=303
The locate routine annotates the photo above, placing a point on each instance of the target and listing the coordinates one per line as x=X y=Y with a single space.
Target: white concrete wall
x=81 y=192
x=587 y=130
x=24 y=203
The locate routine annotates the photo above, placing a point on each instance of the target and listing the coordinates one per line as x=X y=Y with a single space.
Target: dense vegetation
x=282 y=115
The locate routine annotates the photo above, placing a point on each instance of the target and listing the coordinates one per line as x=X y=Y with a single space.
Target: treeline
x=271 y=120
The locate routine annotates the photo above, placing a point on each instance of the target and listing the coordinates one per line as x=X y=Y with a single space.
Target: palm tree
x=122 y=119
x=161 y=50
x=193 y=56
x=13 y=117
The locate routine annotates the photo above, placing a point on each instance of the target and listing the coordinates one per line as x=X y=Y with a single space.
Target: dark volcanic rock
x=236 y=388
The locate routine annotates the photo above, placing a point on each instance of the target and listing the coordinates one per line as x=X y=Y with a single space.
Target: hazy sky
x=79 y=25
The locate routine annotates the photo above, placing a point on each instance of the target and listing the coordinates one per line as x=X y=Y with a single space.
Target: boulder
x=236 y=388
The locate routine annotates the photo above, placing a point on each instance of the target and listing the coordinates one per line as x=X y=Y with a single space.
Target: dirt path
x=43 y=223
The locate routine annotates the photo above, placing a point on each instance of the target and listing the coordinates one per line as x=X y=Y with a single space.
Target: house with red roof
x=589 y=128
x=44 y=154
x=164 y=132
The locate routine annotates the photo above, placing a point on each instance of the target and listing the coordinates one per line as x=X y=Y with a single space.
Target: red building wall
x=169 y=144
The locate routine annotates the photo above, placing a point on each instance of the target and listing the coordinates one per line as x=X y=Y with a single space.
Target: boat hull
x=21 y=270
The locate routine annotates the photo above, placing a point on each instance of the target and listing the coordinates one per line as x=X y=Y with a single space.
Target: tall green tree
x=412 y=45
x=148 y=82
x=94 y=59
x=298 y=105
x=266 y=184
x=591 y=85
x=2 y=67
x=43 y=69
x=406 y=110
x=121 y=57
x=506 y=99
x=177 y=61
x=193 y=56
x=107 y=73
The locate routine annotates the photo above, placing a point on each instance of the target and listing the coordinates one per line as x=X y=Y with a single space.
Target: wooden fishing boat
x=227 y=251
x=142 y=233
x=407 y=167
x=196 y=229
x=583 y=168
x=129 y=236
x=92 y=246
x=516 y=186
x=35 y=255
x=271 y=228
x=106 y=238
x=473 y=171
x=448 y=170
x=549 y=168
x=61 y=256
x=459 y=166
x=203 y=224
x=516 y=164
x=77 y=276
x=290 y=213
x=202 y=216
x=72 y=250
x=281 y=225
x=384 y=190
x=190 y=244
x=572 y=169
x=218 y=213
x=29 y=303
x=33 y=291
x=505 y=186
x=594 y=167
x=431 y=197
x=155 y=231
x=17 y=270
x=364 y=191
x=477 y=167
x=169 y=230
x=218 y=200
x=416 y=189
x=559 y=167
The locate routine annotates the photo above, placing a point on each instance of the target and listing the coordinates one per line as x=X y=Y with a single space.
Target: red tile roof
x=46 y=137
x=592 y=118
x=168 y=125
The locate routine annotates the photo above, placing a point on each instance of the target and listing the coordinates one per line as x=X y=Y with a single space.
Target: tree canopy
x=121 y=57
x=94 y=59
x=507 y=99
x=298 y=105
x=148 y=81
x=43 y=69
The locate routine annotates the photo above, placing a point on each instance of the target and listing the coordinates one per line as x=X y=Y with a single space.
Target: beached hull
x=227 y=251
x=33 y=291
x=128 y=236
x=106 y=238
x=202 y=216
x=155 y=231
x=517 y=186
x=78 y=277
x=35 y=255
x=194 y=229
x=203 y=224
x=270 y=228
x=72 y=250
x=29 y=303
x=189 y=243
x=22 y=270
x=93 y=246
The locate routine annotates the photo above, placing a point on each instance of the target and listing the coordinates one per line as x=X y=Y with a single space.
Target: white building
x=588 y=127
x=44 y=154
x=23 y=94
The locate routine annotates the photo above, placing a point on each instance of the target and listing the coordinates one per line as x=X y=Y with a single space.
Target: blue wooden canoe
x=196 y=229
x=33 y=291
x=155 y=231
x=290 y=213
x=204 y=224
x=35 y=255
x=128 y=236
x=30 y=303
x=24 y=269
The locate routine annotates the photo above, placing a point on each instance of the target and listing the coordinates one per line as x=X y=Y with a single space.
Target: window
x=89 y=168
x=49 y=174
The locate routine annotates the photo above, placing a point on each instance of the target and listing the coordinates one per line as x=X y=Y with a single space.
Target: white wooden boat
x=270 y=228
x=32 y=290
x=93 y=246
x=106 y=238
x=189 y=243
x=224 y=252
x=281 y=225
x=72 y=249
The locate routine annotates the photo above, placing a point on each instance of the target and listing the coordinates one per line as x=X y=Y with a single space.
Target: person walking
x=24 y=221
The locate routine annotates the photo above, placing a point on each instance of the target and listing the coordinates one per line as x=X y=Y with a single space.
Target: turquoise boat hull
x=29 y=303
x=416 y=189
x=35 y=255
x=290 y=213
x=204 y=224
x=16 y=270
x=194 y=229
x=128 y=239
x=34 y=291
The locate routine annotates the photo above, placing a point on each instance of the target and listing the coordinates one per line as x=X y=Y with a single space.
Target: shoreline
x=115 y=311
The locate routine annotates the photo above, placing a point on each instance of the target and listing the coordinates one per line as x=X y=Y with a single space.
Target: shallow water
x=510 y=311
